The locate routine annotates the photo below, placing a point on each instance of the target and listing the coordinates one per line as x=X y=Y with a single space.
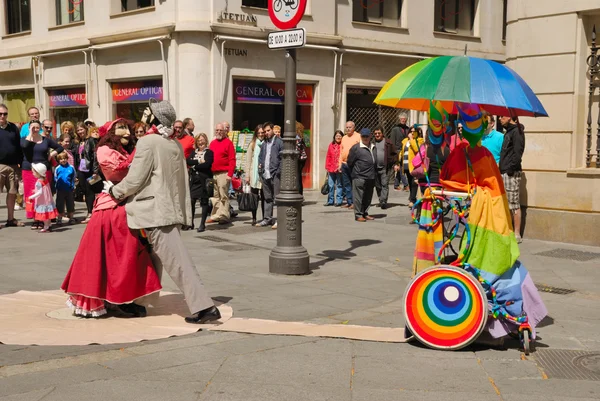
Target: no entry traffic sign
x=286 y=14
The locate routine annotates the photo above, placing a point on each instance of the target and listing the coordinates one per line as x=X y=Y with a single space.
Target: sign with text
x=286 y=14
x=71 y=97
x=268 y=92
x=137 y=91
x=288 y=39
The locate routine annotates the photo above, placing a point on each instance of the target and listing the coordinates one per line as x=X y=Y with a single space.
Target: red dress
x=111 y=263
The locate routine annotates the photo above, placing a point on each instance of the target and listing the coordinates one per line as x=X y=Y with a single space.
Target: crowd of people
x=357 y=164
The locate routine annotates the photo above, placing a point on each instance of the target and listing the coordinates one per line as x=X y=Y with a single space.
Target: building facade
x=105 y=58
x=549 y=44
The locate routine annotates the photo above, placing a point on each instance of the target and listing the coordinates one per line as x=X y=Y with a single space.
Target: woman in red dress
x=112 y=265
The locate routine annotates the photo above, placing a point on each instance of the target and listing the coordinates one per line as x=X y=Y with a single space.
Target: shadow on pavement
x=330 y=255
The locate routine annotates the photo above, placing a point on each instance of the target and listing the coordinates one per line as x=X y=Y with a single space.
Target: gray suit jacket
x=156 y=185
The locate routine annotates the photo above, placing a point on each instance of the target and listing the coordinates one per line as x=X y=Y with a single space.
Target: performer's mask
x=148 y=118
x=122 y=131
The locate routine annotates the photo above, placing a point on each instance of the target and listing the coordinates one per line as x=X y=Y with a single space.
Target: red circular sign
x=285 y=14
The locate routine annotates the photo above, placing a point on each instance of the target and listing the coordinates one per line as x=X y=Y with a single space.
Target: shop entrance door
x=256 y=102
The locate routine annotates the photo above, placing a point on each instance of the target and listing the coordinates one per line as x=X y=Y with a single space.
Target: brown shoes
x=369 y=218
x=360 y=219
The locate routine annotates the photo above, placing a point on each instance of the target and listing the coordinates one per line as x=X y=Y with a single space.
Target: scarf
x=255 y=179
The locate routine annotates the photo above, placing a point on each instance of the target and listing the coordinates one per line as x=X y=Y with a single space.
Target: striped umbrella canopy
x=461 y=79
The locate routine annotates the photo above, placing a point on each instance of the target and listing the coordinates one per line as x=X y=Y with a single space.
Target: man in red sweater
x=186 y=140
x=223 y=167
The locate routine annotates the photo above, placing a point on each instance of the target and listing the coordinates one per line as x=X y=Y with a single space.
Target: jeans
x=398 y=178
x=382 y=185
x=347 y=183
x=363 y=194
x=270 y=189
x=335 y=187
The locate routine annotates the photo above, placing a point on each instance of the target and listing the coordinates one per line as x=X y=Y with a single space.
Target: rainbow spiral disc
x=445 y=307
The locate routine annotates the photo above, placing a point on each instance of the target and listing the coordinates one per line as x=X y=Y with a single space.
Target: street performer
x=158 y=204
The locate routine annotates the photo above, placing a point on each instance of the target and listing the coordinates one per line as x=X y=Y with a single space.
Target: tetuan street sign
x=287 y=39
x=286 y=14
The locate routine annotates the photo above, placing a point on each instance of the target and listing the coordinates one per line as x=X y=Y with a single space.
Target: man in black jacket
x=10 y=158
x=387 y=155
x=511 y=156
x=361 y=161
x=398 y=134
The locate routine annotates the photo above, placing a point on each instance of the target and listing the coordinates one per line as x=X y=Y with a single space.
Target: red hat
x=108 y=125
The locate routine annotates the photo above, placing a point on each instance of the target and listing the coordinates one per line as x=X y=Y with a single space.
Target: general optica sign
x=137 y=91
x=72 y=97
x=269 y=92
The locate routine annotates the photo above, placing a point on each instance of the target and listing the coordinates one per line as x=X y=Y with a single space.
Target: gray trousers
x=382 y=185
x=270 y=189
x=362 y=193
x=170 y=253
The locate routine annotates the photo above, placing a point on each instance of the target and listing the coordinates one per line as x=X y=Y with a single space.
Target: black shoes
x=384 y=206
x=204 y=316
x=134 y=310
x=201 y=229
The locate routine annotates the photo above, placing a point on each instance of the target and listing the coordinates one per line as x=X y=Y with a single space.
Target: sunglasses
x=48 y=128
x=3 y=114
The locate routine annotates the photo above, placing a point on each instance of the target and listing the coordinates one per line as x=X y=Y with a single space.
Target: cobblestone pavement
x=358 y=275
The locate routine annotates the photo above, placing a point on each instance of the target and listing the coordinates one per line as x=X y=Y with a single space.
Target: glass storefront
x=18 y=102
x=131 y=98
x=69 y=104
x=256 y=102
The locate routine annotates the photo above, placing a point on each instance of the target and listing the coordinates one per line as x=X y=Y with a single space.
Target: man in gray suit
x=158 y=202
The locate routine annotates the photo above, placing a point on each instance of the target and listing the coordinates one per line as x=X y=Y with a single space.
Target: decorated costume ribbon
x=474 y=124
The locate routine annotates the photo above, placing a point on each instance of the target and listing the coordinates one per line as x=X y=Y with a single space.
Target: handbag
x=210 y=187
x=247 y=201
x=421 y=164
x=325 y=188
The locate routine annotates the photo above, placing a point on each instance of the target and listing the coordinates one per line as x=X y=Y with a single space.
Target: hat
x=39 y=168
x=365 y=132
x=163 y=111
x=107 y=126
x=89 y=121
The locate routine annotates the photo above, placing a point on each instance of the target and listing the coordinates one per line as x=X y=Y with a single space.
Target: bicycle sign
x=286 y=14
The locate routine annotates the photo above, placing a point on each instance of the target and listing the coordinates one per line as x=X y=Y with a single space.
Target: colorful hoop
x=445 y=307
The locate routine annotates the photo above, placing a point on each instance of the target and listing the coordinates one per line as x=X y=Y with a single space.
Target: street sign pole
x=289 y=256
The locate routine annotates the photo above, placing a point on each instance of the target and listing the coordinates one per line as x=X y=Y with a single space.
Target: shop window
x=377 y=11
x=18 y=16
x=256 y=3
x=130 y=5
x=455 y=16
x=131 y=98
x=69 y=11
x=18 y=103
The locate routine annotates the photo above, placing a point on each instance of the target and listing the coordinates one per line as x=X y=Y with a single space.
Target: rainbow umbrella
x=461 y=79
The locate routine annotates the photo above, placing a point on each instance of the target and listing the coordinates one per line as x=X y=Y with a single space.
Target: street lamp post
x=289 y=256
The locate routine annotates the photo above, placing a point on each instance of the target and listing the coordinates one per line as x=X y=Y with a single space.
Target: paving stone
x=160 y=360
x=42 y=380
x=126 y=390
x=243 y=391
x=418 y=374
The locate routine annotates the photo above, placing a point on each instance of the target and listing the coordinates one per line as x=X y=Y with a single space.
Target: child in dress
x=43 y=204
x=64 y=179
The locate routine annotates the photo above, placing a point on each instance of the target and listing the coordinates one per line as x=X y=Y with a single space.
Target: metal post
x=289 y=256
